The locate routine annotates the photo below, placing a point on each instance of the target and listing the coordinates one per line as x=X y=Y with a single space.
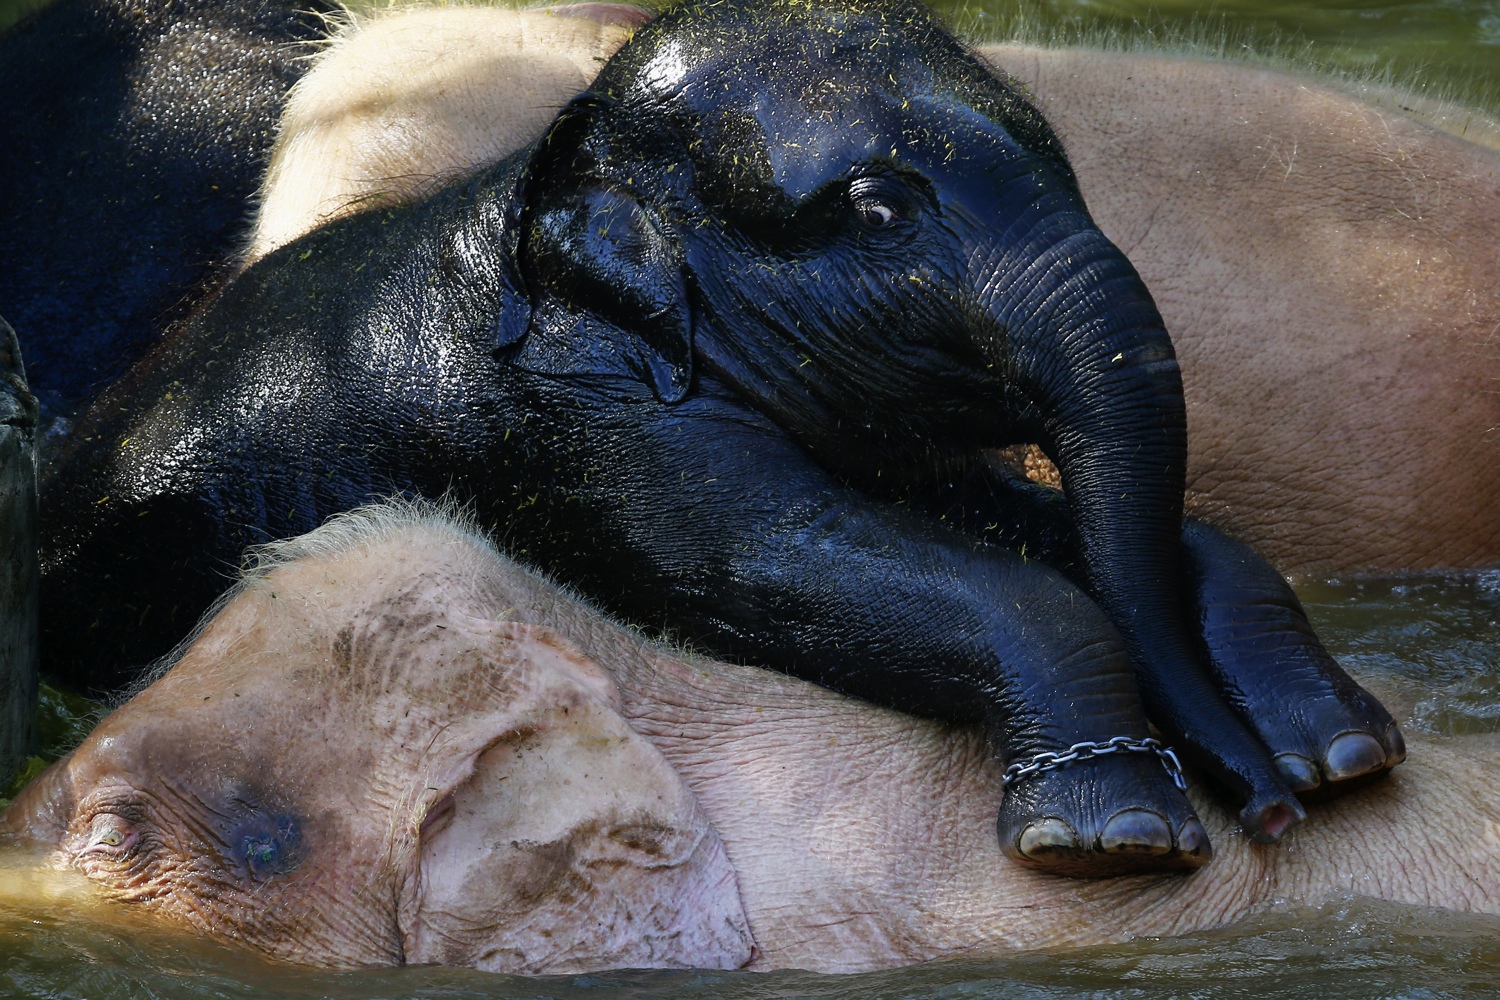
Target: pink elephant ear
x=623 y=14
x=570 y=843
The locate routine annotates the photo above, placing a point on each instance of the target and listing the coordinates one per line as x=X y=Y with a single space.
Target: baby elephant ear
x=594 y=249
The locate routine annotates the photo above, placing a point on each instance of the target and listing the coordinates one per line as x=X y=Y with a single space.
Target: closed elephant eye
x=266 y=845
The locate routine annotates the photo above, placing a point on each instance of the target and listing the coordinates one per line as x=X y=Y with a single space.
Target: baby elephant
x=724 y=351
x=390 y=745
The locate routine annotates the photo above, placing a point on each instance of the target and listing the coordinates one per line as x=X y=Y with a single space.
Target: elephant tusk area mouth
x=1030 y=461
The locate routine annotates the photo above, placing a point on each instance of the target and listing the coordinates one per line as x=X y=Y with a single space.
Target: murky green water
x=1430 y=646
x=1355 y=949
x=1451 y=45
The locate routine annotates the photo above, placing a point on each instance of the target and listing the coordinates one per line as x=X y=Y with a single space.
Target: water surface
x=1353 y=948
x=1449 y=46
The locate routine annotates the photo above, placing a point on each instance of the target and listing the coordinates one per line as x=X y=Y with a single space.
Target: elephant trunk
x=1094 y=374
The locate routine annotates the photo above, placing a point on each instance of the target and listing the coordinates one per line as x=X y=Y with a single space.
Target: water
x=1451 y=46
x=1353 y=948
x=1430 y=646
x=55 y=943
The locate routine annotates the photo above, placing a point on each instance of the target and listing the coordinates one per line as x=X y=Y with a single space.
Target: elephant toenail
x=1397 y=743
x=1353 y=754
x=1299 y=773
x=1272 y=823
x=1047 y=836
x=1192 y=842
x=1136 y=831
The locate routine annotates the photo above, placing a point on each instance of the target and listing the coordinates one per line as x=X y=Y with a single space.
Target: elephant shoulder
x=376 y=291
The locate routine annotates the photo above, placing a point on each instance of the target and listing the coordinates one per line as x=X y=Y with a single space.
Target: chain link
x=1049 y=760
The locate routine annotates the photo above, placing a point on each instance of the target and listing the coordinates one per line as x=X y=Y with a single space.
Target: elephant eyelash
x=838 y=206
x=882 y=204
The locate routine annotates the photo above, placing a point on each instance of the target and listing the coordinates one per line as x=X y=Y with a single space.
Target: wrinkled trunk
x=1098 y=383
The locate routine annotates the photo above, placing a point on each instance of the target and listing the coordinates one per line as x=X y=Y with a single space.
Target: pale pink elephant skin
x=390 y=745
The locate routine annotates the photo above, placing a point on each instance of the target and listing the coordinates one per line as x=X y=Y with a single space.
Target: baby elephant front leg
x=1088 y=791
x=1321 y=727
x=1112 y=815
x=772 y=560
x=921 y=619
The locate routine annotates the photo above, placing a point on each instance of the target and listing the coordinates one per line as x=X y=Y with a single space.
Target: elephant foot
x=1325 y=732
x=1332 y=743
x=1118 y=813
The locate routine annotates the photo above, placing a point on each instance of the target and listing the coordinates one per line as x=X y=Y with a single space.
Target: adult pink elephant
x=390 y=745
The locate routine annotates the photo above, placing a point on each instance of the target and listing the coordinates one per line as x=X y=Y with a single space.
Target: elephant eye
x=874 y=213
x=266 y=845
x=109 y=837
x=881 y=203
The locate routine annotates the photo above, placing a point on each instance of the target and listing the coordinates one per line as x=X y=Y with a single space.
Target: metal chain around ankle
x=1049 y=760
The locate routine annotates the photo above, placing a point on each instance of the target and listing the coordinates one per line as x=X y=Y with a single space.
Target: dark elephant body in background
x=707 y=353
x=18 y=556
x=136 y=134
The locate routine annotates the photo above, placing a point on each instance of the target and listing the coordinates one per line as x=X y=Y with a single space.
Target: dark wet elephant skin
x=1321 y=727
x=690 y=355
x=136 y=133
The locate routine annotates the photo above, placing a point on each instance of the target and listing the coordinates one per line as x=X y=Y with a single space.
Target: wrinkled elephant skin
x=725 y=351
x=1225 y=184
x=391 y=744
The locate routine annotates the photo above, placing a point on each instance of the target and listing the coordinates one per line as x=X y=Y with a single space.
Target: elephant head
x=843 y=215
x=339 y=767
